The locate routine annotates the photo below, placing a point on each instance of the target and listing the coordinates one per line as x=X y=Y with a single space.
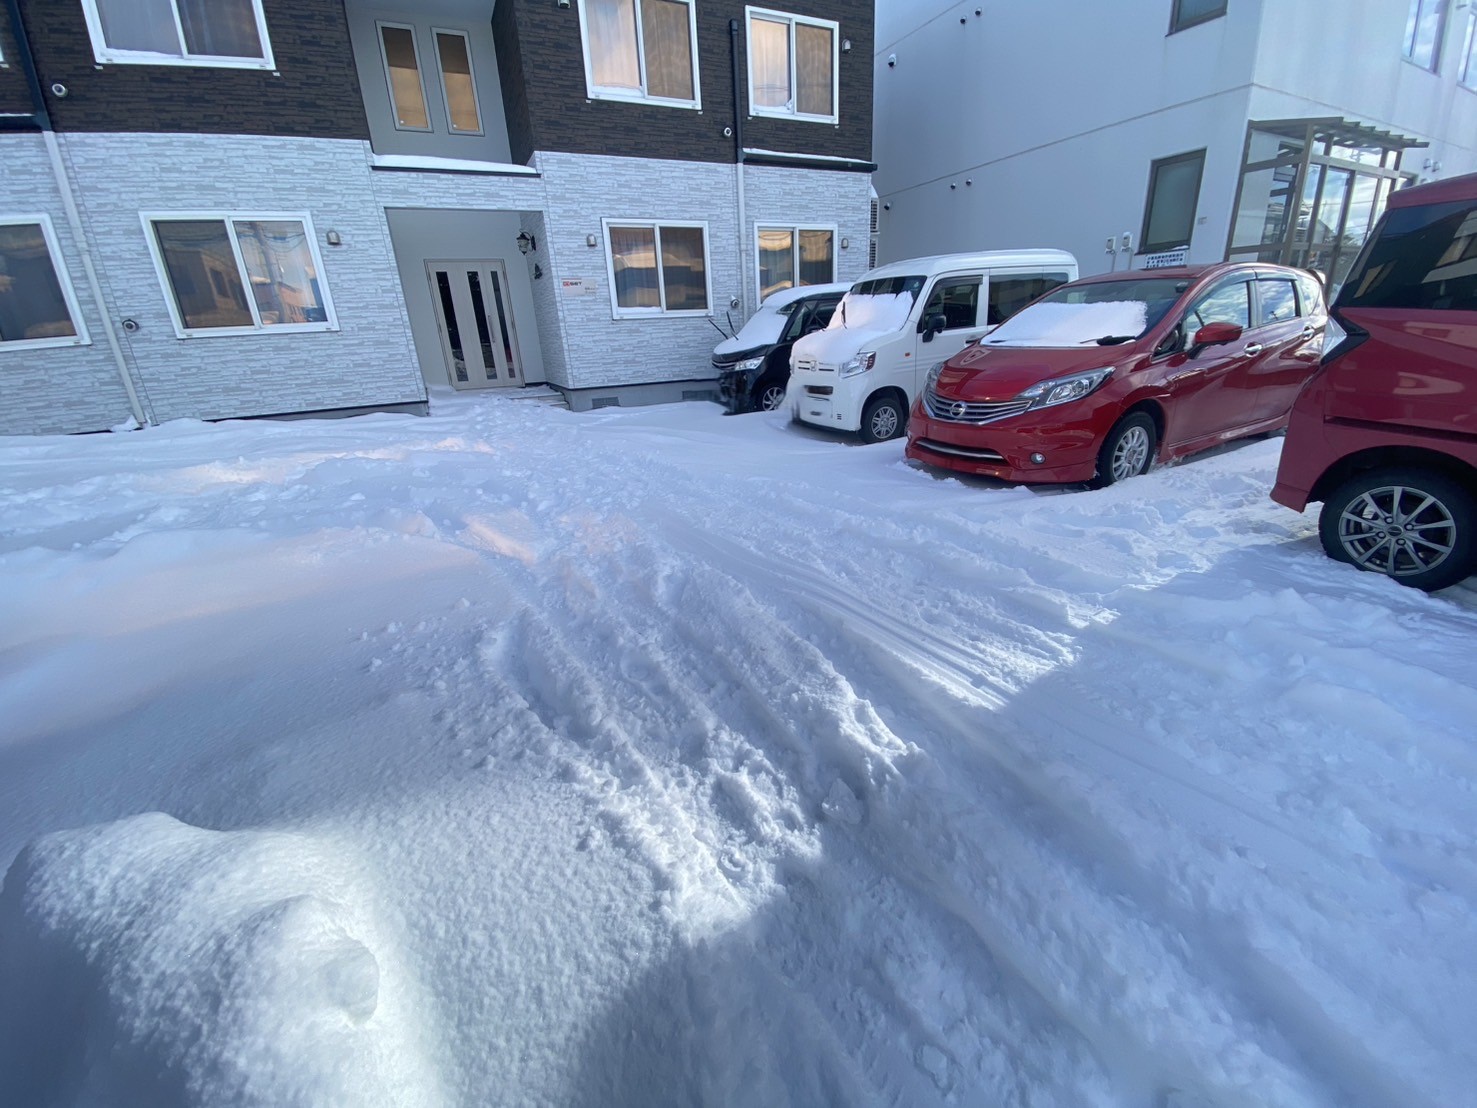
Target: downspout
x=738 y=164
x=64 y=185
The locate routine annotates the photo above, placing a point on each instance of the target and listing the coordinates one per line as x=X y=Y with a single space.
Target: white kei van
x=899 y=321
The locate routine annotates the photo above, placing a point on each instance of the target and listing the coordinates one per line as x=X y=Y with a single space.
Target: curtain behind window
x=139 y=25
x=280 y=266
x=684 y=273
x=814 y=66
x=612 y=27
x=31 y=302
x=220 y=28
x=633 y=260
x=776 y=261
x=203 y=273
x=666 y=35
x=817 y=266
x=769 y=55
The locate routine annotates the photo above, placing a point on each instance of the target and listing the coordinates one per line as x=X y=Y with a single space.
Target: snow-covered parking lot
x=650 y=757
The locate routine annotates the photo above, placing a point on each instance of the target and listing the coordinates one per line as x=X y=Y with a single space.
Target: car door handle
x=1309 y=331
x=1253 y=350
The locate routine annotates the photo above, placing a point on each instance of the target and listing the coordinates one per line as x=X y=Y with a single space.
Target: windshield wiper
x=1113 y=340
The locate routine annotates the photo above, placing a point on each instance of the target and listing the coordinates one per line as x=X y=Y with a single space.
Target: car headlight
x=750 y=364
x=1063 y=390
x=933 y=376
x=859 y=364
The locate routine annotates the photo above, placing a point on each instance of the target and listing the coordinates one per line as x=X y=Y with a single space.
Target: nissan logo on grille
x=958 y=409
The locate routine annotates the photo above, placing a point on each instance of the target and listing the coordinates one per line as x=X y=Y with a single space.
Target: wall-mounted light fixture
x=333 y=238
x=591 y=240
x=527 y=244
x=845 y=244
x=846 y=46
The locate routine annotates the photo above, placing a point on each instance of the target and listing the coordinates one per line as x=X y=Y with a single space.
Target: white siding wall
x=781 y=196
x=54 y=389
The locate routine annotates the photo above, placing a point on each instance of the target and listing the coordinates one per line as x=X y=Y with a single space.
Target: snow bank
x=150 y=962
x=1071 y=324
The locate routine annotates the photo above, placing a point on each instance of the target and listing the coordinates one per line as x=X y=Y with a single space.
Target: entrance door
x=475 y=317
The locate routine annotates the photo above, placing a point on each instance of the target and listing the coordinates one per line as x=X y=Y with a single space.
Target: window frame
x=793 y=20
x=1259 y=308
x=1177 y=23
x=600 y=92
x=1145 y=246
x=107 y=55
x=1438 y=45
x=618 y=312
x=63 y=280
x=465 y=36
x=794 y=229
x=229 y=218
x=1467 y=78
x=420 y=72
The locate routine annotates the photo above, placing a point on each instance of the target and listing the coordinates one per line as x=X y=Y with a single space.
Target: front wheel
x=1417 y=526
x=768 y=396
x=883 y=419
x=1128 y=450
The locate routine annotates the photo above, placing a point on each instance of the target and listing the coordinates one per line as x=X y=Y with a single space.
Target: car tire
x=883 y=418
x=1128 y=451
x=768 y=396
x=1417 y=526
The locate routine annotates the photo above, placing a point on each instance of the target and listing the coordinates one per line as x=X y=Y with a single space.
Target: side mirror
x=934 y=324
x=1214 y=334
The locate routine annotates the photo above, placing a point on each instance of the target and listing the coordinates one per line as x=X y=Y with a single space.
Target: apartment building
x=230 y=208
x=1150 y=131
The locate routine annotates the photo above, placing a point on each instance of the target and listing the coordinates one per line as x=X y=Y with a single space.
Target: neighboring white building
x=1241 y=128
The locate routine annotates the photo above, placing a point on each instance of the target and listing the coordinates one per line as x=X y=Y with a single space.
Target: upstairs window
x=1469 y=54
x=37 y=306
x=403 y=72
x=227 y=33
x=641 y=50
x=1189 y=13
x=1174 y=194
x=458 y=84
x=793 y=66
x=1423 y=31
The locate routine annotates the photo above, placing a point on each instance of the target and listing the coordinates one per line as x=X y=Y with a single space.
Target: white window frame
x=792 y=19
x=229 y=218
x=106 y=55
x=1437 y=47
x=69 y=295
x=598 y=92
x=1468 y=76
x=618 y=312
x=420 y=73
x=794 y=229
x=451 y=128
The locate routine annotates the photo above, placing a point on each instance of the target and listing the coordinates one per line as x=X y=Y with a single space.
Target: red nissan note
x=1386 y=434
x=1100 y=377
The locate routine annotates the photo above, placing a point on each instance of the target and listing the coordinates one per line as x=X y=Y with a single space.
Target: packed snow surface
x=1071 y=324
x=520 y=757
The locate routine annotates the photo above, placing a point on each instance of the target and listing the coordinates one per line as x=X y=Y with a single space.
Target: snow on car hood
x=1071 y=324
x=859 y=321
x=765 y=326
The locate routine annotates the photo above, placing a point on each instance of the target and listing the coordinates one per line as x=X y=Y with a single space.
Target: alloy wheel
x=884 y=422
x=1130 y=453
x=771 y=398
x=1397 y=530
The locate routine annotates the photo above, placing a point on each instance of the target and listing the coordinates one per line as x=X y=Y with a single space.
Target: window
x=1423 y=27
x=37 y=305
x=1278 y=300
x=957 y=299
x=231 y=274
x=641 y=50
x=809 y=317
x=790 y=256
x=403 y=72
x=229 y=33
x=1188 y=13
x=458 y=84
x=1009 y=294
x=1174 y=194
x=793 y=66
x=1423 y=258
x=1230 y=303
x=1469 y=54
x=658 y=268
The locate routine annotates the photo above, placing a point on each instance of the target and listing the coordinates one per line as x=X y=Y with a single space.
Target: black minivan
x=754 y=366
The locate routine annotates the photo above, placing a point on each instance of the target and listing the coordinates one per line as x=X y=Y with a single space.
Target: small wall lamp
x=527 y=244
x=333 y=238
x=591 y=240
x=845 y=244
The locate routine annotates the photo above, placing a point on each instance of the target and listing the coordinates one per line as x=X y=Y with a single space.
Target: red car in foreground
x=1101 y=377
x=1386 y=434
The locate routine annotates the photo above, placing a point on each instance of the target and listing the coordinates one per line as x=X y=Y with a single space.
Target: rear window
x=1421 y=258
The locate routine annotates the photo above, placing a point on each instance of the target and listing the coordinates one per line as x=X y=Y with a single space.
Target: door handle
x=1309 y=331
x=1253 y=350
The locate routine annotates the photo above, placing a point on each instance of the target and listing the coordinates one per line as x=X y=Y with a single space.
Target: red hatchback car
x=1386 y=434
x=1100 y=377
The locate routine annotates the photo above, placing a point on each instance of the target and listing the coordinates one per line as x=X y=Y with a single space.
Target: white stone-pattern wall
x=545 y=300
x=782 y=196
x=367 y=361
x=52 y=390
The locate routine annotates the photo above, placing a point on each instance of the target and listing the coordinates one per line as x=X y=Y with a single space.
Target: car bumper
x=824 y=399
x=1004 y=450
x=734 y=389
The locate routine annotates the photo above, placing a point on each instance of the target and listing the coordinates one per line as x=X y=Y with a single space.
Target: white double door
x=474 y=313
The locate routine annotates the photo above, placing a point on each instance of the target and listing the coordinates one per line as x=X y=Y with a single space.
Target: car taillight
x=1339 y=337
x=1333 y=334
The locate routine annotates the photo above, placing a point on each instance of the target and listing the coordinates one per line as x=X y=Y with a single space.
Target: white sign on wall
x=574 y=286
x=1165 y=258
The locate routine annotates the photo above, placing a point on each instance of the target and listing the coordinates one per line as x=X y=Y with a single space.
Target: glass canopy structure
x=1311 y=189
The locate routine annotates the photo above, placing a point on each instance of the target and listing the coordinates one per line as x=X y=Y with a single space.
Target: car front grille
x=814 y=366
x=974 y=454
x=964 y=411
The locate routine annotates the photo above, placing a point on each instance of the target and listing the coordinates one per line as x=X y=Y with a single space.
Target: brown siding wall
x=560 y=117
x=314 y=93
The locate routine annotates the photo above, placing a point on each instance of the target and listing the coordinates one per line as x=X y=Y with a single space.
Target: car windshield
x=1102 y=312
x=882 y=303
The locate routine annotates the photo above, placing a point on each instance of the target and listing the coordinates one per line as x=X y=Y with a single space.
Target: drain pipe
x=738 y=164
x=42 y=119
